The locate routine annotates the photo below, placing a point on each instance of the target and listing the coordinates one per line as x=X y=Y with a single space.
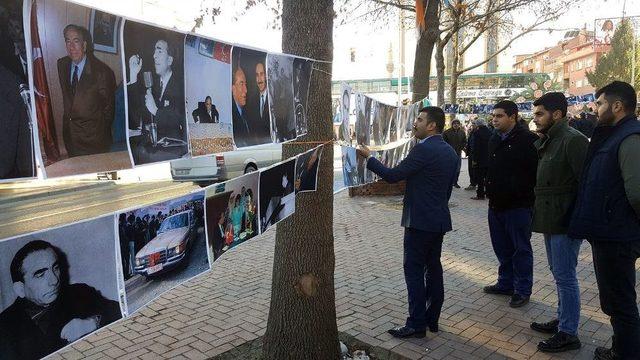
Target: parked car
x=215 y=168
x=170 y=247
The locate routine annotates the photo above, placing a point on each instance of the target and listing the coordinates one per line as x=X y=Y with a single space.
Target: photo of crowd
x=208 y=103
x=53 y=291
x=80 y=102
x=155 y=93
x=161 y=245
x=231 y=213
x=307 y=170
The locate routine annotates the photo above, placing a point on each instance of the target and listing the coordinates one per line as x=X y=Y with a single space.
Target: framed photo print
x=104 y=31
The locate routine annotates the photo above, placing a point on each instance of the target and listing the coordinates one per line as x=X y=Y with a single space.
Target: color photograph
x=161 y=246
x=155 y=93
x=53 y=291
x=80 y=102
x=307 y=170
x=250 y=100
x=277 y=195
x=208 y=103
x=281 y=106
x=231 y=213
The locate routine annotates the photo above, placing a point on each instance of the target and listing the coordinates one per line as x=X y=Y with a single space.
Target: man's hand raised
x=363 y=151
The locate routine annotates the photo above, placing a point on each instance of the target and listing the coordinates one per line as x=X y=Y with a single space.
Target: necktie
x=261 y=104
x=161 y=89
x=74 y=80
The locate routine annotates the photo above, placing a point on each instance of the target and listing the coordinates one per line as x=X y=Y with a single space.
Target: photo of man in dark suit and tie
x=206 y=113
x=157 y=123
x=88 y=93
x=430 y=171
x=251 y=117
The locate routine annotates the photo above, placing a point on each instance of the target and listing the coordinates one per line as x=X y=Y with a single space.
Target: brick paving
x=228 y=306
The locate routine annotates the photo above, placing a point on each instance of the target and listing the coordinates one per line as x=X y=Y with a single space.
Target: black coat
x=511 y=175
x=480 y=147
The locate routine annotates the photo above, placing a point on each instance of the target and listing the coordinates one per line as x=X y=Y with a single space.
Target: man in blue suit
x=430 y=172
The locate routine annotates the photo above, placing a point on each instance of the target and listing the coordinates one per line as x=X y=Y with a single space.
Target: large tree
x=617 y=64
x=302 y=316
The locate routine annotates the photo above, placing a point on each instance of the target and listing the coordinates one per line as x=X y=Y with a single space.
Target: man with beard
x=607 y=212
x=561 y=152
x=49 y=313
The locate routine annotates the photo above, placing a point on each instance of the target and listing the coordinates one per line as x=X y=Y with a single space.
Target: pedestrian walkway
x=229 y=305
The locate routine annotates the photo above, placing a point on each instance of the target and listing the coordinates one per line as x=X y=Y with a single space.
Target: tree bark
x=302 y=316
x=453 y=85
x=440 y=67
x=424 y=50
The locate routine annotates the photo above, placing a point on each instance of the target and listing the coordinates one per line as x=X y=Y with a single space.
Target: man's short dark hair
x=436 y=115
x=208 y=98
x=620 y=91
x=18 y=258
x=509 y=107
x=553 y=101
x=455 y=121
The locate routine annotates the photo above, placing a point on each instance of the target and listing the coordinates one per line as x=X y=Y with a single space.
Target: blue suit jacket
x=429 y=170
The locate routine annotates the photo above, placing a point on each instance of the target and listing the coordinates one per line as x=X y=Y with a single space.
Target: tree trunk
x=453 y=85
x=424 y=50
x=302 y=316
x=440 y=66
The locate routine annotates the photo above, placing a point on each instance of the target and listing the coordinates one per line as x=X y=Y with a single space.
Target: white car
x=215 y=168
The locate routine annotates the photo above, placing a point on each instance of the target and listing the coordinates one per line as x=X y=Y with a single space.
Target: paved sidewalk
x=228 y=306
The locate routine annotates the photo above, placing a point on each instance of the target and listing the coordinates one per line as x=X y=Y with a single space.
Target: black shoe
x=518 y=300
x=456 y=186
x=602 y=353
x=550 y=327
x=559 y=342
x=494 y=289
x=406 y=332
x=477 y=198
x=433 y=328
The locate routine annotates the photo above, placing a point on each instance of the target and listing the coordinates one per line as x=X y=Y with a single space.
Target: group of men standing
x=555 y=182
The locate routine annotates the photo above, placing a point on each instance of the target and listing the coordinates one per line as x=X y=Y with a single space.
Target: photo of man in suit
x=88 y=93
x=430 y=172
x=156 y=98
x=241 y=129
x=263 y=98
x=207 y=113
x=49 y=312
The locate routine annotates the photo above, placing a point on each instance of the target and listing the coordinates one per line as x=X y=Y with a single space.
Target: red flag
x=44 y=113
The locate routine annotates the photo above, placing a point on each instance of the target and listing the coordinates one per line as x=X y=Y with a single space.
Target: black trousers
x=615 y=268
x=472 y=175
x=481 y=176
x=423 y=275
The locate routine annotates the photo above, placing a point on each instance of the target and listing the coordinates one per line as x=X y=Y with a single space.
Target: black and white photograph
x=277 y=193
x=53 y=291
x=231 y=211
x=381 y=116
x=349 y=166
x=307 y=170
x=302 y=69
x=394 y=127
x=153 y=58
x=105 y=30
x=80 y=101
x=161 y=246
x=280 y=85
x=16 y=140
x=250 y=99
x=208 y=102
x=363 y=119
x=345 y=114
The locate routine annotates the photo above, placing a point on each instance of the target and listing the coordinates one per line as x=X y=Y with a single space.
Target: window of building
x=589 y=62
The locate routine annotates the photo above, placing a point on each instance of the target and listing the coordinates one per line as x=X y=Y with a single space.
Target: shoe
x=518 y=300
x=495 y=290
x=550 y=327
x=406 y=332
x=559 y=342
x=602 y=353
x=433 y=328
x=470 y=187
x=477 y=198
x=456 y=186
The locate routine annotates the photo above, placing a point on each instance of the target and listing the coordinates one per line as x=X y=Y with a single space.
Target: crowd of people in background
x=136 y=231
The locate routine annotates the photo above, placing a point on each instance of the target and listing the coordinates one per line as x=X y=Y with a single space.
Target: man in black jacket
x=480 y=156
x=511 y=177
x=456 y=137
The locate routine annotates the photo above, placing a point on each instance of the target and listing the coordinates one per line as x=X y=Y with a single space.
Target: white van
x=207 y=169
